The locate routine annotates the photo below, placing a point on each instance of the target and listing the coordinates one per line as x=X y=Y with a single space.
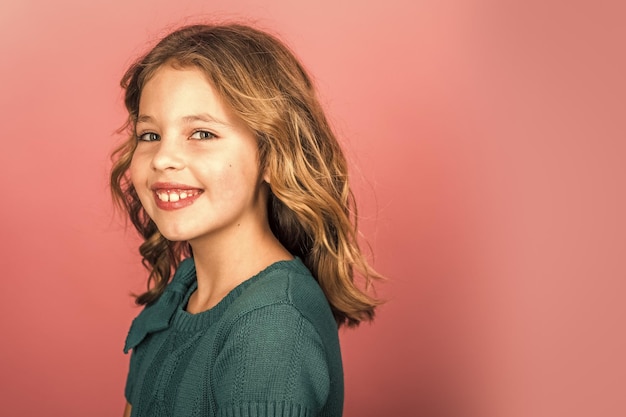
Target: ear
x=266 y=175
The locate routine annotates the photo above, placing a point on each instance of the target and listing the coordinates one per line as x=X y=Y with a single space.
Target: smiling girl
x=238 y=185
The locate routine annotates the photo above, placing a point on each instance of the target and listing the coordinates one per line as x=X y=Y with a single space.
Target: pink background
x=488 y=147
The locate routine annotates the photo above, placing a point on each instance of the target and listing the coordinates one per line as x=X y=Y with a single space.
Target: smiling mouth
x=173 y=196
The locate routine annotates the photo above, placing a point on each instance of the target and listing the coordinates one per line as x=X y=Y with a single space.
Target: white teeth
x=173 y=196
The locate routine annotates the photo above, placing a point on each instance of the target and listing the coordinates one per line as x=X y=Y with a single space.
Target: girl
x=231 y=165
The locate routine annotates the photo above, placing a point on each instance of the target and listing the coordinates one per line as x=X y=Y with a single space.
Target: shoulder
x=285 y=298
x=278 y=343
x=287 y=284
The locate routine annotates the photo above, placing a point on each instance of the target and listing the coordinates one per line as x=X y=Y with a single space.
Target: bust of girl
x=235 y=180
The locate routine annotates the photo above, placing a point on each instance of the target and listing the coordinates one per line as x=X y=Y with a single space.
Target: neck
x=225 y=262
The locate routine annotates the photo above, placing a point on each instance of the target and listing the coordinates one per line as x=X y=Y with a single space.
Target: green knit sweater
x=269 y=348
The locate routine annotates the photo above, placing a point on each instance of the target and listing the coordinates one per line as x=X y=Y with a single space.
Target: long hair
x=311 y=208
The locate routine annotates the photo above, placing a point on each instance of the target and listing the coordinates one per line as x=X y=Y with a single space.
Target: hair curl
x=311 y=208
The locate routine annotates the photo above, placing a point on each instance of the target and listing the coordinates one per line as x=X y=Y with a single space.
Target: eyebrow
x=202 y=117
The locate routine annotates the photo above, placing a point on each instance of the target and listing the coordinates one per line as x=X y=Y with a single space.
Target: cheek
x=235 y=182
x=138 y=177
x=227 y=182
x=136 y=170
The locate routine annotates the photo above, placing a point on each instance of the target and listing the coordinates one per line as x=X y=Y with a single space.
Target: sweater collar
x=158 y=315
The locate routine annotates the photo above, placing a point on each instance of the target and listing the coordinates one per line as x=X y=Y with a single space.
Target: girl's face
x=196 y=167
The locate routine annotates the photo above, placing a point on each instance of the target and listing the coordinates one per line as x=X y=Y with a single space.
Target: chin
x=175 y=238
x=175 y=235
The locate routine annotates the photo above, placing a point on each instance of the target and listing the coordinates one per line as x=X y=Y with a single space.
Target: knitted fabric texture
x=269 y=348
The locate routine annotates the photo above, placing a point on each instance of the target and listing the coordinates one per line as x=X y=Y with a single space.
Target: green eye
x=148 y=137
x=202 y=134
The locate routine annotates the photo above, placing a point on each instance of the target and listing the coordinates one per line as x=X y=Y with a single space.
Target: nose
x=168 y=155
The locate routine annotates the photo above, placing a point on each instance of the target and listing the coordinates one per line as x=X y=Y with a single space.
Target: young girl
x=231 y=165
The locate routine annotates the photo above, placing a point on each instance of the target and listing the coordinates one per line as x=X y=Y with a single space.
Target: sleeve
x=133 y=370
x=273 y=362
x=130 y=380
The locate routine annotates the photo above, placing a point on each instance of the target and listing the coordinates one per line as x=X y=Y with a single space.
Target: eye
x=203 y=135
x=148 y=137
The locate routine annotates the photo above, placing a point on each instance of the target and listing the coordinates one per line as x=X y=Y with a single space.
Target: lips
x=169 y=196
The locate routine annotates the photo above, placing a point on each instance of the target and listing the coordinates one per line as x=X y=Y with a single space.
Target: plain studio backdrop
x=487 y=147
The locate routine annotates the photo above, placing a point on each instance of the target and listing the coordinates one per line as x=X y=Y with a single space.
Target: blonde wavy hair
x=311 y=208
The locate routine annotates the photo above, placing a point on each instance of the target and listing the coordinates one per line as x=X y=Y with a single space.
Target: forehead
x=187 y=84
x=176 y=92
x=179 y=96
